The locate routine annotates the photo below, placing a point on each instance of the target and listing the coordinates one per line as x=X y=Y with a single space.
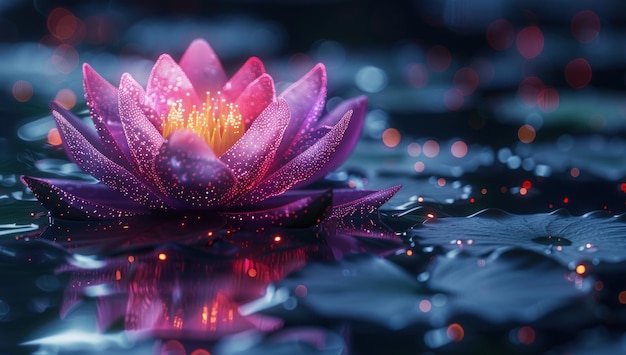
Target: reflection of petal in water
x=12 y=228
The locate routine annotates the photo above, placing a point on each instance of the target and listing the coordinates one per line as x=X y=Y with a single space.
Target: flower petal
x=301 y=168
x=358 y=106
x=143 y=138
x=306 y=99
x=94 y=162
x=303 y=212
x=88 y=133
x=249 y=72
x=80 y=200
x=101 y=98
x=349 y=203
x=252 y=155
x=255 y=98
x=203 y=67
x=167 y=84
x=190 y=173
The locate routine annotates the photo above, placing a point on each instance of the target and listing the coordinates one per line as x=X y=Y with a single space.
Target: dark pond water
x=503 y=122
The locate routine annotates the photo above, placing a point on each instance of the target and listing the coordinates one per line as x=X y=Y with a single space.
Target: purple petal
x=252 y=155
x=249 y=72
x=143 y=138
x=101 y=98
x=359 y=203
x=94 y=162
x=203 y=67
x=80 y=200
x=167 y=84
x=88 y=133
x=190 y=173
x=306 y=99
x=255 y=98
x=303 y=212
x=301 y=168
x=358 y=106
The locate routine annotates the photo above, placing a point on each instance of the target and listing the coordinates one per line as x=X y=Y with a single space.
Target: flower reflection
x=195 y=139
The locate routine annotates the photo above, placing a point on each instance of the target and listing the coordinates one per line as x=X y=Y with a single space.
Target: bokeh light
x=578 y=73
x=22 y=91
x=438 y=58
x=458 y=149
x=526 y=133
x=500 y=34
x=529 y=42
x=391 y=137
x=548 y=99
x=585 y=26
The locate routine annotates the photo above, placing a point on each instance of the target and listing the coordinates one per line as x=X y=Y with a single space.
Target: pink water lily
x=194 y=139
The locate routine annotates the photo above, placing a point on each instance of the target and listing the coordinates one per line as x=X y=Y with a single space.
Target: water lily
x=195 y=139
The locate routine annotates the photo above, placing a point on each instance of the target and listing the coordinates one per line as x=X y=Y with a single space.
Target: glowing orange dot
x=409 y=252
x=162 y=256
x=527 y=184
x=483 y=191
x=66 y=98
x=22 y=91
x=419 y=166
x=580 y=269
x=458 y=149
x=455 y=332
x=575 y=172
x=441 y=182
x=425 y=306
x=523 y=191
x=472 y=200
x=54 y=137
x=430 y=215
x=622 y=297
x=526 y=335
x=526 y=133
x=529 y=42
x=131 y=259
x=430 y=148
x=252 y=272
x=391 y=137
x=118 y=275
x=566 y=200
x=278 y=238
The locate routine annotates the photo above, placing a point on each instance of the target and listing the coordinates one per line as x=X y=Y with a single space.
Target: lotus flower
x=197 y=140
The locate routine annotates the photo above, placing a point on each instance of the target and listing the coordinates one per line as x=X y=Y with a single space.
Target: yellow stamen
x=218 y=122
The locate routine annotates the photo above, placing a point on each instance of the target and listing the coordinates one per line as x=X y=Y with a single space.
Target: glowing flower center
x=218 y=122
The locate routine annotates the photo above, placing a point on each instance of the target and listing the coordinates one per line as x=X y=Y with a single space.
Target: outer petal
x=94 y=162
x=249 y=72
x=255 y=98
x=358 y=106
x=167 y=84
x=190 y=172
x=79 y=200
x=252 y=155
x=101 y=98
x=203 y=67
x=143 y=138
x=348 y=203
x=59 y=112
x=306 y=99
x=303 y=212
x=301 y=168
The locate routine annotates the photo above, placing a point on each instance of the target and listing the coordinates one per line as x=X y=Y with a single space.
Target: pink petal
x=358 y=106
x=301 y=168
x=249 y=72
x=143 y=138
x=101 y=98
x=94 y=162
x=255 y=98
x=190 y=173
x=167 y=84
x=203 y=67
x=306 y=99
x=303 y=212
x=253 y=154
x=80 y=200
x=360 y=203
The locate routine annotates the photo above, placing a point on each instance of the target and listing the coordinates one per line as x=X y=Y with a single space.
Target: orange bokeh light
x=391 y=137
x=526 y=133
x=22 y=91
